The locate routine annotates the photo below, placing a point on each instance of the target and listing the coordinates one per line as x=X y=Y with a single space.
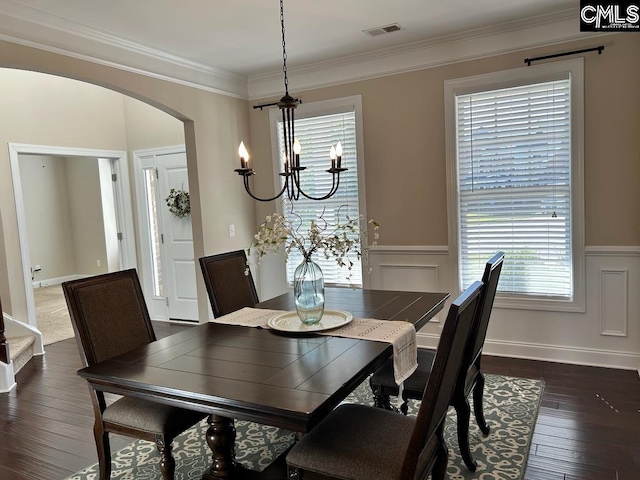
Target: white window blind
x=316 y=136
x=514 y=186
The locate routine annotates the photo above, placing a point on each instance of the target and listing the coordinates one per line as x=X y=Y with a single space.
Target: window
x=318 y=126
x=516 y=168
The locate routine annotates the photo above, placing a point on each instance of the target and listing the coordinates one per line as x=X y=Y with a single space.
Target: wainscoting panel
x=420 y=278
x=606 y=334
x=418 y=269
x=614 y=287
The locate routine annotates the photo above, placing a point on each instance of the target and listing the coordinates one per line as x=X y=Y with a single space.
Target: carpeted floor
x=52 y=314
x=511 y=409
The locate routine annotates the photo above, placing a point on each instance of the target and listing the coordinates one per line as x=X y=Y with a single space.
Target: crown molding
x=475 y=44
x=32 y=28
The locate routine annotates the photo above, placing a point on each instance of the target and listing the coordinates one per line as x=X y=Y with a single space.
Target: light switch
x=232 y=230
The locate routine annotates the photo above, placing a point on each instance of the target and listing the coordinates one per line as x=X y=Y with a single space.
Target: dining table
x=263 y=375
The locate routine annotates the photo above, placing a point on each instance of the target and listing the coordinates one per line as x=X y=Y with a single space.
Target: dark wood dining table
x=234 y=372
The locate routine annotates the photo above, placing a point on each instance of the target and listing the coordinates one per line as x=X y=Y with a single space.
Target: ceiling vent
x=374 y=32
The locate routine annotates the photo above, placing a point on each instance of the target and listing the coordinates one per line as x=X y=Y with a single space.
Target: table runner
x=402 y=335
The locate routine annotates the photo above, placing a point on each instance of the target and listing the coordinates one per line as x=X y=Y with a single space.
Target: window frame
x=314 y=109
x=574 y=69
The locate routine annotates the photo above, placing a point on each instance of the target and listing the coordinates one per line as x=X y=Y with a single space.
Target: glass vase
x=308 y=290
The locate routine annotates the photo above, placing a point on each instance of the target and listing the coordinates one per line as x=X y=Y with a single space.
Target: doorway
x=116 y=221
x=166 y=239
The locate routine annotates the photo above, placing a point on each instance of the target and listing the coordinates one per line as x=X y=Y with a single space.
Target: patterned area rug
x=511 y=409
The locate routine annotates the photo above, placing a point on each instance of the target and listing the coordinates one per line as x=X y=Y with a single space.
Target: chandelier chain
x=284 y=49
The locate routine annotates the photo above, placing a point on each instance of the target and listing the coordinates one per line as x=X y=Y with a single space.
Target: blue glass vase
x=308 y=291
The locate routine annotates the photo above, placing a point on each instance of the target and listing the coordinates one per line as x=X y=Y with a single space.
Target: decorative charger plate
x=289 y=322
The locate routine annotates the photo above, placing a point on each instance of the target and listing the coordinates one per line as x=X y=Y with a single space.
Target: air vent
x=374 y=32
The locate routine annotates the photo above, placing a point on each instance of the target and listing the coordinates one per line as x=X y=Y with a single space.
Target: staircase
x=21 y=343
x=21 y=350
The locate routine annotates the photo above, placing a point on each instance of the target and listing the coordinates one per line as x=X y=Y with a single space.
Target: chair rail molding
x=613 y=251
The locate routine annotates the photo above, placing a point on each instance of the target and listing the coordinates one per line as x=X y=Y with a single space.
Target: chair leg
x=104 y=451
x=463 y=414
x=294 y=473
x=440 y=465
x=478 y=410
x=167 y=462
x=380 y=399
x=404 y=408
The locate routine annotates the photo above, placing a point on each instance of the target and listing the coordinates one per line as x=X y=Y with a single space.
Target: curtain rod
x=599 y=49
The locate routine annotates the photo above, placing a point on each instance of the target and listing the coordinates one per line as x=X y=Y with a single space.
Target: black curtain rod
x=529 y=60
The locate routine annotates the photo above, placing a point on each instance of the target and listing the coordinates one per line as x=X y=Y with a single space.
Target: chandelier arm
x=295 y=185
x=287 y=156
x=292 y=135
x=334 y=189
x=246 y=187
x=291 y=190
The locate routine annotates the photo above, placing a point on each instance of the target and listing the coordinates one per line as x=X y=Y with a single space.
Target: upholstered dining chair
x=361 y=442
x=110 y=317
x=228 y=286
x=470 y=379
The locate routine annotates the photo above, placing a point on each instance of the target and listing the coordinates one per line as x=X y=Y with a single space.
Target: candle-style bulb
x=339 y=149
x=242 y=151
x=332 y=153
x=296 y=146
x=244 y=156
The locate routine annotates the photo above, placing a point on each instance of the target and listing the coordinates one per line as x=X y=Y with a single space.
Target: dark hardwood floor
x=588 y=427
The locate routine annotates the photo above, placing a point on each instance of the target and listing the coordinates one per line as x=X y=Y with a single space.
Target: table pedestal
x=221 y=437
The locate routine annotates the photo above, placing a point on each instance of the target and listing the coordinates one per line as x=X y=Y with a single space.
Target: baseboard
x=57 y=280
x=550 y=353
x=7 y=377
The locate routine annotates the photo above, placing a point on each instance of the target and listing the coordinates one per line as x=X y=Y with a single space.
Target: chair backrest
x=442 y=380
x=109 y=315
x=228 y=286
x=479 y=330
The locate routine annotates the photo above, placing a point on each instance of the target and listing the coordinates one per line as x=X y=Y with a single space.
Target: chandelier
x=292 y=148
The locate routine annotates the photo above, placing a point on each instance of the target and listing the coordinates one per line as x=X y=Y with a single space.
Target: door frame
x=124 y=210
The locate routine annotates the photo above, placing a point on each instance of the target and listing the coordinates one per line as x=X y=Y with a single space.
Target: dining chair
x=362 y=442
x=470 y=378
x=229 y=282
x=110 y=317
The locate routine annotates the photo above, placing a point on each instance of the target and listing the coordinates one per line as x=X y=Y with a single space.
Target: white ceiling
x=242 y=37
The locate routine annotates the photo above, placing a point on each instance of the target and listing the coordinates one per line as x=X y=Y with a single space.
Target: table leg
x=221 y=437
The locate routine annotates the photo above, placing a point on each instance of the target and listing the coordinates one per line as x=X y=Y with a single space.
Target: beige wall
x=85 y=209
x=63 y=212
x=46 y=208
x=404 y=143
x=214 y=125
x=148 y=127
x=34 y=115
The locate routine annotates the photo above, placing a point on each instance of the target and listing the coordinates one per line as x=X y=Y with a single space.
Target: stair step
x=21 y=350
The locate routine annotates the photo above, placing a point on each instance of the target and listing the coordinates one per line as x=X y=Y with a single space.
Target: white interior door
x=169 y=274
x=177 y=241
